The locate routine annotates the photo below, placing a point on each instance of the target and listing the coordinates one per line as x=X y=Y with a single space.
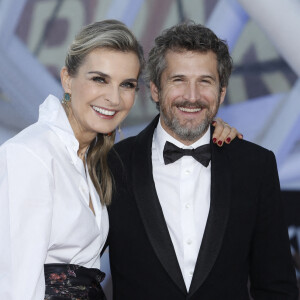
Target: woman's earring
x=67 y=98
x=121 y=134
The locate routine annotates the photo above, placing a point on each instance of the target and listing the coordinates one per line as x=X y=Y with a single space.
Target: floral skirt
x=73 y=282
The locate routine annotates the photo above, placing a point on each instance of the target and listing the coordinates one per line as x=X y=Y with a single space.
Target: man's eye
x=206 y=81
x=178 y=79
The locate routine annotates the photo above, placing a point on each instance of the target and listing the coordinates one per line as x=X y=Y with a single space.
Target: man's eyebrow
x=176 y=76
x=209 y=76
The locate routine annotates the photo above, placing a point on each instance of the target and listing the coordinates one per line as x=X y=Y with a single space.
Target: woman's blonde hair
x=108 y=34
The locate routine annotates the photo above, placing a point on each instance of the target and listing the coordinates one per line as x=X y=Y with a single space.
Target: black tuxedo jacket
x=245 y=239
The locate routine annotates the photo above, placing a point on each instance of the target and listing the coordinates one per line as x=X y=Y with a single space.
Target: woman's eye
x=129 y=85
x=98 y=79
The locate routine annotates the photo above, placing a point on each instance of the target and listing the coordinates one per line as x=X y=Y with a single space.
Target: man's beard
x=184 y=131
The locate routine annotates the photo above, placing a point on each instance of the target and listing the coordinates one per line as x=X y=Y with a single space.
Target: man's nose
x=192 y=92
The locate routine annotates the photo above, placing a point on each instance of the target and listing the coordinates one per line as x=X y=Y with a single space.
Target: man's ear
x=223 y=93
x=154 y=92
x=65 y=79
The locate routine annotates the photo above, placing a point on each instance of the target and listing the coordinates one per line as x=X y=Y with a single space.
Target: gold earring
x=121 y=134
x=67 y=98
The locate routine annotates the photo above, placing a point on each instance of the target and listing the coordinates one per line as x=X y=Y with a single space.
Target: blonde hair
x=114 y=35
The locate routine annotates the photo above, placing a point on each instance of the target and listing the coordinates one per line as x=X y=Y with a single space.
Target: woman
x=49 y=188
x=53 y=217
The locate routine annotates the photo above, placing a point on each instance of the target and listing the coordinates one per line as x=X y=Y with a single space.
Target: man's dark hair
x=188 y=36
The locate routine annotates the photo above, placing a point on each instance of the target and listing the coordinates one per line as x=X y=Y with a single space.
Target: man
x=190 y=227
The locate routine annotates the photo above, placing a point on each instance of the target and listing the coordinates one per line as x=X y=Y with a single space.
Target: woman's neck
x=83 y=136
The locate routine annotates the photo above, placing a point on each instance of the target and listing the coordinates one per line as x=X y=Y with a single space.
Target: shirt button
x=189 y=242
x=187 y=205
x=187 y=172
x=191 y=273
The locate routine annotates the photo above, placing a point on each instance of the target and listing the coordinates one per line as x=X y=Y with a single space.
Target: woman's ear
x=66 y=80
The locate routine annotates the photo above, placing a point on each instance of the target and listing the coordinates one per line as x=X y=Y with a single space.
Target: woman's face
x=102 y=91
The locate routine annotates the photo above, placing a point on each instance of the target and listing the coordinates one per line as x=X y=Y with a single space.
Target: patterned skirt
x=73 y=282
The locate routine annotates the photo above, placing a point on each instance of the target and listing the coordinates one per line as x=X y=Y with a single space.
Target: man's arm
x=272 y=274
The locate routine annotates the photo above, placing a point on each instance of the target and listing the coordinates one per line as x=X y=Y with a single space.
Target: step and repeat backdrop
x=263 y=95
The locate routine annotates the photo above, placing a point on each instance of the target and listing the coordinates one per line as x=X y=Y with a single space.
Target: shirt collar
x=160 y=137
x=52 y=113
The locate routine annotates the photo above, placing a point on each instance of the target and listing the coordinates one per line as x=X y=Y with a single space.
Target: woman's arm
x=26 y=188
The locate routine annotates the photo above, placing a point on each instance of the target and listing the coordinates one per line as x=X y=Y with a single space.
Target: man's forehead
x=185 y=59
x=186 y=52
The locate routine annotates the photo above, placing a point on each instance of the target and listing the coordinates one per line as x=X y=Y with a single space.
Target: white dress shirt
x=183 y=189
x=44 y=205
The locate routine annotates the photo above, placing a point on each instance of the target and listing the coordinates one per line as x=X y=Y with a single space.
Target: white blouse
x=44 y=205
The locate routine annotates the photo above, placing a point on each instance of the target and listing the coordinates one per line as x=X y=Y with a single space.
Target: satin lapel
x=217 y=218
x=149 y=206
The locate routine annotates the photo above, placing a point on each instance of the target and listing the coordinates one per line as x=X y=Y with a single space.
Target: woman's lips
x=103 y=111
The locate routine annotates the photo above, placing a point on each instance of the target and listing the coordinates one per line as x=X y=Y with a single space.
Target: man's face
x=190 y=94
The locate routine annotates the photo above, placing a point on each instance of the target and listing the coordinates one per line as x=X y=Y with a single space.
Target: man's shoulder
x=243 y=150
x=249 y=146
x=238 y=144
x=121 y=152
x=125 y=144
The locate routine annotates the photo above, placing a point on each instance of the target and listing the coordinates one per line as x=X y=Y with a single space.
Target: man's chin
x=192 y=127
x=190 y=133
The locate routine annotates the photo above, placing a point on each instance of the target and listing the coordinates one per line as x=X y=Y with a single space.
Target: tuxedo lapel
x=217 y=218
x=149 y=206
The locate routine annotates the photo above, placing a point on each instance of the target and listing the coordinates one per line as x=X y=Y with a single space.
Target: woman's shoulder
x=34 y=140
x=30 y=137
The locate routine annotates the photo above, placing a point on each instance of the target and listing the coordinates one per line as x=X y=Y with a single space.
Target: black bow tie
x=201 y=154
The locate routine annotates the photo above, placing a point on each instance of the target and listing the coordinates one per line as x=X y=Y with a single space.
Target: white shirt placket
x=187 y=201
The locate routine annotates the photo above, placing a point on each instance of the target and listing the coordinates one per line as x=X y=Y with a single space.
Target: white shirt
x=183 y=189
x=44 y=205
